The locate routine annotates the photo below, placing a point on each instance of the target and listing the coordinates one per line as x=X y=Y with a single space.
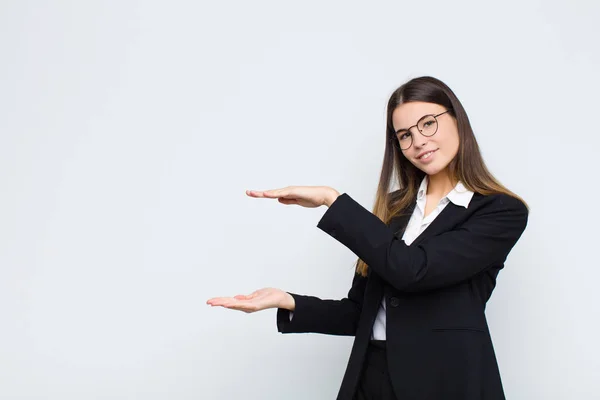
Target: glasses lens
x=404 y=139
x=427 y=125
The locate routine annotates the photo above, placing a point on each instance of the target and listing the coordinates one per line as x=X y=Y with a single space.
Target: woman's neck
x=440 y=184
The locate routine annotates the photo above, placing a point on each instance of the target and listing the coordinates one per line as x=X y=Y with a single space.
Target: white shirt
x=460 y=196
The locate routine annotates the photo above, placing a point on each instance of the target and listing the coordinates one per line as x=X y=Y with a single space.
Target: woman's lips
x=427 y=157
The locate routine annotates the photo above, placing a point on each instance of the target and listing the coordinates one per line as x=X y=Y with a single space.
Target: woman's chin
x=430 y=169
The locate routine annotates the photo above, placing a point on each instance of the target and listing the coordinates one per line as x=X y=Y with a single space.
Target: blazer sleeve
x=333 y=317
x=482 y=241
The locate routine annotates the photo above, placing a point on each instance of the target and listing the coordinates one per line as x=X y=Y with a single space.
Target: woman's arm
x=333 y=317
x=484 y=240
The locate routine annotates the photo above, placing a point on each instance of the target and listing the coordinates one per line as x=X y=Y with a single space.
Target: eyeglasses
x=427 y=125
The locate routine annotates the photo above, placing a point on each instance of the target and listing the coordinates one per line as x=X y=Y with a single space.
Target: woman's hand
x=256 y=301
x=305 y=196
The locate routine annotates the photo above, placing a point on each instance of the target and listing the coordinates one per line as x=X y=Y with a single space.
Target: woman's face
x=430 y=154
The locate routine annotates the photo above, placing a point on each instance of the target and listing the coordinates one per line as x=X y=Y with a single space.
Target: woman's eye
x=404 y=135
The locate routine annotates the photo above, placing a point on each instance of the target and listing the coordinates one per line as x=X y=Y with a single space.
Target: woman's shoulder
x=503 y=201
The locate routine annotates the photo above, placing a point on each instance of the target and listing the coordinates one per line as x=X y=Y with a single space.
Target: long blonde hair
x=468 y=165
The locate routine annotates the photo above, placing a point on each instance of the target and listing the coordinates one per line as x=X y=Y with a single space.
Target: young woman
x=428 y=258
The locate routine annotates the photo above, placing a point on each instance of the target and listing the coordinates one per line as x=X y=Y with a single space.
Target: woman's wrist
x=288 y=302
x=331 y=197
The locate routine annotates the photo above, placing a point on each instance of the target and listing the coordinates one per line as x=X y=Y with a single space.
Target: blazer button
x=394 y=302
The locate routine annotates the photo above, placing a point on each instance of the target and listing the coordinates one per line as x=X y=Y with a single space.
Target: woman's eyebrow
x=405 y=129
x=401 y=129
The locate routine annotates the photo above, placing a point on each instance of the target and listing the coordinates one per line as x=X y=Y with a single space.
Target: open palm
x=305 y=196
x=255 y=301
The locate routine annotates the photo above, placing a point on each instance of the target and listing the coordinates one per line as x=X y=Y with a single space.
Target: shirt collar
x=460 y=195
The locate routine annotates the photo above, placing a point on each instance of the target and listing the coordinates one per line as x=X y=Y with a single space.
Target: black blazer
x=436 y=289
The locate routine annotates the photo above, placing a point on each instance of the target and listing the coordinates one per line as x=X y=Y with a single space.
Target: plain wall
x=129 y=132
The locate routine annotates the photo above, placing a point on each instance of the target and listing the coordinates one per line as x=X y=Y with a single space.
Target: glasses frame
x=435 y=117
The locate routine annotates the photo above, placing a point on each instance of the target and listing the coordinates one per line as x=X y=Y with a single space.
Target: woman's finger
x=260 y=193
x=272 y=193
x=218 y=301
x=226 y=303
x=241 y=305
x=221 y=300
x=255 y=193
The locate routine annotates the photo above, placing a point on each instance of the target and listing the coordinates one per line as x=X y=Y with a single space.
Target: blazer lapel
x=449 y=218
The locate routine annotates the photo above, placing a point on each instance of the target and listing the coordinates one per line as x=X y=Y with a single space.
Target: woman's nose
x=421 y=140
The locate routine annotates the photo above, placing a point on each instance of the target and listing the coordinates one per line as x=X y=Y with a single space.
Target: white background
x=129 y=132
